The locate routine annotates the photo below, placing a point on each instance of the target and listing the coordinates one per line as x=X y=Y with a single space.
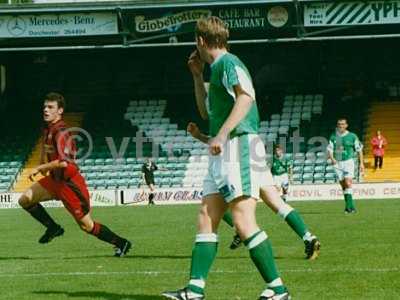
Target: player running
x=63 y=182
x=234 y=173
x=341 y=150
x=282 y=171
x=288 y=213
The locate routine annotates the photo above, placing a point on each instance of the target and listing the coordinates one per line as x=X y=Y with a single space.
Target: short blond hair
x=213 y=31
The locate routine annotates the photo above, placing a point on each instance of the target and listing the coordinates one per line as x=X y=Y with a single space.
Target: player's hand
x=216 y=145
x=362 y=168
x=33 y=173
x=193 y=129
x=196 y=64
x=334 y=161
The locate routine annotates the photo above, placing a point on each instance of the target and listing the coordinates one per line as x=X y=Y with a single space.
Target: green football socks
x=262 y=256
x=203 y=255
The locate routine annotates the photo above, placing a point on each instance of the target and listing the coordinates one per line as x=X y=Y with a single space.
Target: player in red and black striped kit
x=63 y=181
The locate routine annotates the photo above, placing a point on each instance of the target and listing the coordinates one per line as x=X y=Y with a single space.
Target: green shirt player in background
x=236 y=163
x=281 y=170
x=342 y=149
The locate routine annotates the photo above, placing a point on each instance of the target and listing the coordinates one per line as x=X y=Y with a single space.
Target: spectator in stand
x=378 y=143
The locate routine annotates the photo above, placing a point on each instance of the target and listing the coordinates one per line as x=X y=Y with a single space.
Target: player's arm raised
x=195 y=132
x=240 y=109
x=196 y=66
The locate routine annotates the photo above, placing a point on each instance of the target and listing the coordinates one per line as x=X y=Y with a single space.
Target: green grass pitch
x=360 y=255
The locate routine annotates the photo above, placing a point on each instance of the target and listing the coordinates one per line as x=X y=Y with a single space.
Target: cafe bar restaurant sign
x=249 y=21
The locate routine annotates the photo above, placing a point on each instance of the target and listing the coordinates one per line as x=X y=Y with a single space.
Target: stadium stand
x=299 y=100
x=148 y=117
x=10 y=162
x=298 y=112
x=16 y=143
x=384 y=116
x=184 y=157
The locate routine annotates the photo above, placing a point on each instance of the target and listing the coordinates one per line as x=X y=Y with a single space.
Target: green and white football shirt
x=280 y=165
x=226 y=72
x=344 y=146
x=240 y=170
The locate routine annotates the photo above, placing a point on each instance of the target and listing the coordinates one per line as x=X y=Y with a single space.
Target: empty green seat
x=176 y=182
x=165 y=182
x=320 y=161
x=319 y=177
x=14 y=164
x=131 y=160
x=4 y=186
x=308 y=169
x=133 y=180
x=112 y=183
x=123 y=183
x=299 y=155
x=161 y=160
x=99 y=161
x=180 y=173
x=7 y=178
x=11 y=171
x=100 y=183
x=101 y=168
x=298 y=162
x=330 y=169
x=103 y=175
x=309 y=162
x=297 y=178
x=114 y=175
x=92 y=176
x=85 y=168
x=297 y=169
x=137 y=167
x=109 y=161
x=90 y=183
x=140 y=160
x=308 y=177
x=330 y=176
x=89 y=162
x=172 y=166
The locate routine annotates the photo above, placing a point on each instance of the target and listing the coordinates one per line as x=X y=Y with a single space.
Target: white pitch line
x=156 y=273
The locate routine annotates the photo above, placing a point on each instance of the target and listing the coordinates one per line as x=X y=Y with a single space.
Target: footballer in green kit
x=236 y=163
x=281 y=170
x=343 y=147
x=291 y=216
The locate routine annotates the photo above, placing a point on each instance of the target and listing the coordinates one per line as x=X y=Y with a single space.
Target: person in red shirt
x=378 y=143
x=63 y=181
